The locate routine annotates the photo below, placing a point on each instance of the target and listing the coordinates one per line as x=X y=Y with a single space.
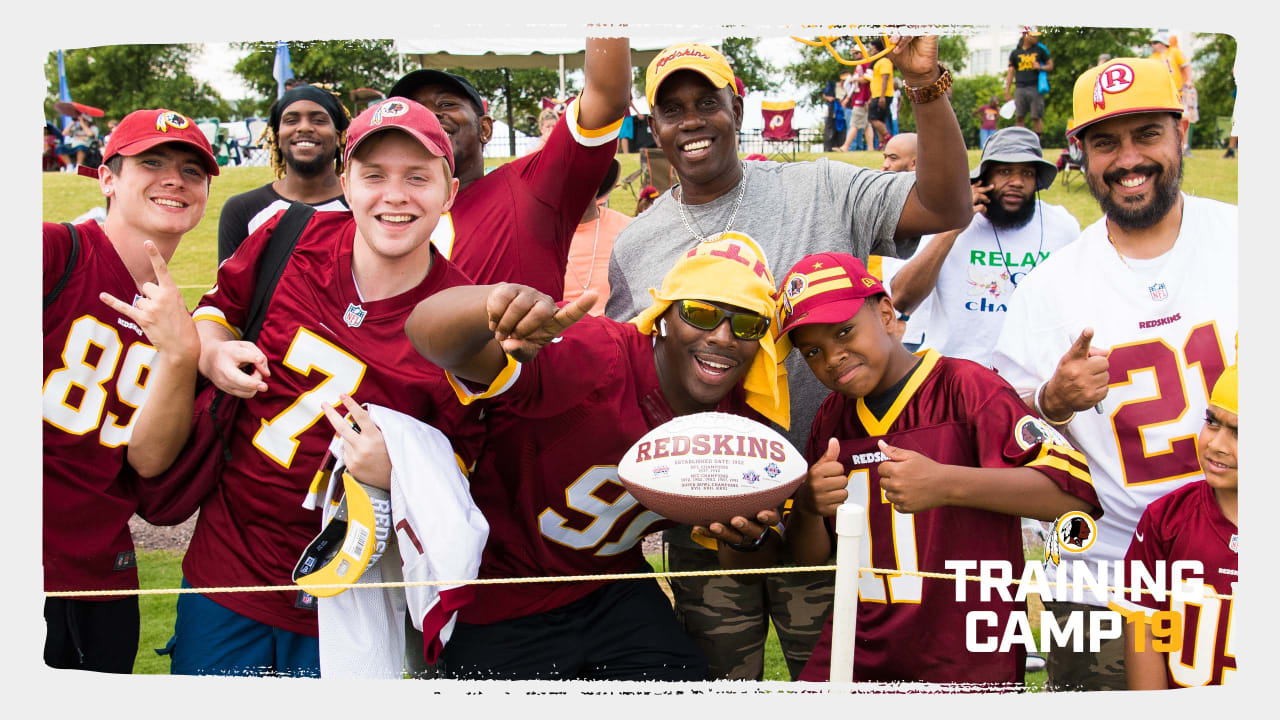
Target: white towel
x=439 y=534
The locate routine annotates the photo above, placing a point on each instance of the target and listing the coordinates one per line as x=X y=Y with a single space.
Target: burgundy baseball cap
x=401 y=114
x=825 y=288
x=141 y=130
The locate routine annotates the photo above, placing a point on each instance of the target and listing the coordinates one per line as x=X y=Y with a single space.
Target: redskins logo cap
x=1123 y=86
x=687 y=56
x=142 y=130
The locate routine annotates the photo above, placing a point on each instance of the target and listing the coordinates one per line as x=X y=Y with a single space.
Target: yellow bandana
x=1226 y=393
x=732 y=270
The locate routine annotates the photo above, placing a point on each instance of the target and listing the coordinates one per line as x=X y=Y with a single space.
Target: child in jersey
x=1198 y=521
x=944 y=457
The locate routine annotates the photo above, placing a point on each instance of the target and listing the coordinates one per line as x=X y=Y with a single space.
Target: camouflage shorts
x=1070 y=670
x=728 y=616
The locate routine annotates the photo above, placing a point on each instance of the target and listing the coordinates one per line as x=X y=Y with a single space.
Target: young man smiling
x=1123 y=361
x=116 y=334
x=574 y=392
x=516 y=223
x=334 y=328
x=793 y=209
x=308 y=127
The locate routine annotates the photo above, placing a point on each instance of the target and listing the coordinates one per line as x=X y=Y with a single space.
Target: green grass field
x=67 y=196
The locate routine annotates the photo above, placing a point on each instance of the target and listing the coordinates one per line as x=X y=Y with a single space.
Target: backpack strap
x=71 y=263
x=272 y=263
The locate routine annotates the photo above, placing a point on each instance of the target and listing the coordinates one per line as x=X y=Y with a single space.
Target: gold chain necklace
x=594 y=245
x=742 y=191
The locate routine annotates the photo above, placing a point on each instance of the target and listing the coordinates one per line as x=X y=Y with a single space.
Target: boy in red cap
x=333 y=337
x=116 y=333
x=1197 y=522
x=944 y=457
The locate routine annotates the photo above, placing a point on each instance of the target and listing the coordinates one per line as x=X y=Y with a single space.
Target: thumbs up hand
x=1079 y=382
x=824 y=487
x=911 y=481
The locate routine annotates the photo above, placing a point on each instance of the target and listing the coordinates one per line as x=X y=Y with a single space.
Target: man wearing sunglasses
x=570 y=394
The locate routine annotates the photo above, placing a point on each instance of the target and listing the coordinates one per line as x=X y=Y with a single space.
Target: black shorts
x=626 y=630
x=877 y=112
x=85 y=635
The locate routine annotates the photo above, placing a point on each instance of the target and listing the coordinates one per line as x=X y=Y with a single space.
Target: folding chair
x=657 y=170
x=1071 y=161
x=777 y=132
x=630 y=180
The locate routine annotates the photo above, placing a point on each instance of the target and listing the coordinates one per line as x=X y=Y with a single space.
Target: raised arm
x=469 y=330
x=164 y=420
x=915 y=280
x=941 y=199
x=607 y=91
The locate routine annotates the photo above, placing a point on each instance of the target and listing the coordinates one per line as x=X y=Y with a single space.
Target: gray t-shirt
x=791 y=210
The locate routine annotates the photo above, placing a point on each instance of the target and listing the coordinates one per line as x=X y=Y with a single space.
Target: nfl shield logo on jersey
x=354 y=315
x=1235 y=543
x=1159 y=292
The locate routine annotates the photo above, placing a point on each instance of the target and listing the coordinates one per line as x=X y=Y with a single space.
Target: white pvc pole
x=849 y=528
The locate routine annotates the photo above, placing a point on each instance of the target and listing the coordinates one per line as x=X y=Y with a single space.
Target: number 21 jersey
x=1170 y=326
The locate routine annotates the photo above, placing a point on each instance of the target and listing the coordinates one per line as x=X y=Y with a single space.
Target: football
x=710 y=467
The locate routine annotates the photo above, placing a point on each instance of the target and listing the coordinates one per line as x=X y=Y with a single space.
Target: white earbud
x=662 y=327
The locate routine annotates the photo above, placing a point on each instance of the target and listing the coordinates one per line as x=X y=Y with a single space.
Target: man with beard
x=307 y=132
x=966 y=276
x=1118 y=337
x=793 y=209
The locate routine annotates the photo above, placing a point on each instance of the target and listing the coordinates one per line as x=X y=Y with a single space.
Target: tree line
x=121 y=78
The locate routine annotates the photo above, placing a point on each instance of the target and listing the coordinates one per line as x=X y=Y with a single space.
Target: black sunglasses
x=705 y=316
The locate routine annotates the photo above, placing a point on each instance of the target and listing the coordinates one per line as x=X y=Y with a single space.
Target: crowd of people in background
x=919 y=330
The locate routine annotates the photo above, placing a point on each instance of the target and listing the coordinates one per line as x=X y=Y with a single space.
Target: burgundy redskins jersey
x=96 y=363
x=955 y=412
x=515 y=224
x=547 y=480
x=1188 y=524
x=320 y=340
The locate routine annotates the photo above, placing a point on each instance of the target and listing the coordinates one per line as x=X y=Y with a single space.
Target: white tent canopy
x=522 y=49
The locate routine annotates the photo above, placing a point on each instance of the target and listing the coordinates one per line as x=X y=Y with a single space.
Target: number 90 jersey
x=955 y=412
x=547 y=480
x=95 y=368
x=1170 y=324
x=320 y=340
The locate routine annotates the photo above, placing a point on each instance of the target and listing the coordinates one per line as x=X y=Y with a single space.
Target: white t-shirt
x=963 y=315
x=1170 y=324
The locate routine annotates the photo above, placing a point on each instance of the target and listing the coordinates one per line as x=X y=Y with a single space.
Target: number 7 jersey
x=320 y=339
x=955 y=412
x=1170 y=324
